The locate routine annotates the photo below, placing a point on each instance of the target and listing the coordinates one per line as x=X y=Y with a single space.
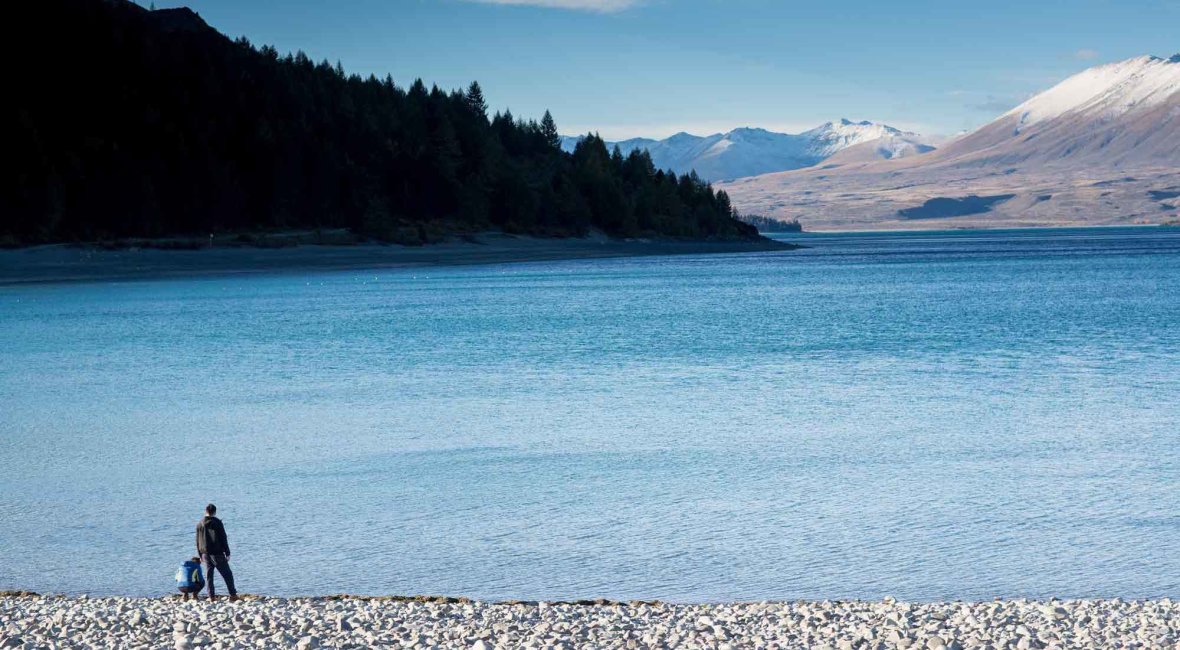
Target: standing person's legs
x=209 y=562
x=227 y=574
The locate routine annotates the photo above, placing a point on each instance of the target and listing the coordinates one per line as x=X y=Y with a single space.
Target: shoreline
x=982 y=229
x=70 y=263
x=423 y=622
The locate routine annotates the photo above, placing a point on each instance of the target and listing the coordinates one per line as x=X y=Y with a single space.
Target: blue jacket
x=190 y=576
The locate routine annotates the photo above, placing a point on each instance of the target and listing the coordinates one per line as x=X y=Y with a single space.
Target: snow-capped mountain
x=887 y=147
x=1120 y=113
x=1101 y=147
x=751 y=151
x=827 y=139
x=1109 y=91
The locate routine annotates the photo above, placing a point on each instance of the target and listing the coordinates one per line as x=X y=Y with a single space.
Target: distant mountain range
x=1101 y=147
x=751 y=151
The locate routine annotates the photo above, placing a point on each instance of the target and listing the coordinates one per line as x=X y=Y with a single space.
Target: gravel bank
x=80 y=622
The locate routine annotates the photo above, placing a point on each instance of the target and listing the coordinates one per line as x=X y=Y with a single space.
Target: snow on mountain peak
x=1109 y=90
x=749 y=151
x=830 y=137
x=864 y=128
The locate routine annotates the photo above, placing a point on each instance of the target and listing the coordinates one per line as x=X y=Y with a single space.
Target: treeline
x=138 y=123
x=770 y=224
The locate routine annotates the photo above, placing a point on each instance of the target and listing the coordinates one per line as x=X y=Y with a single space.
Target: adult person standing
x=213 y=547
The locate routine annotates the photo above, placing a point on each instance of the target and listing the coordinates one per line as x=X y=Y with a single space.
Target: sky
x=630 y=68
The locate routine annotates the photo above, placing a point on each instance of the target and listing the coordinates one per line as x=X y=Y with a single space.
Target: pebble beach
x=31 y=621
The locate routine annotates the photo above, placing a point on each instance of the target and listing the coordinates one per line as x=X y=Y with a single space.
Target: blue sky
x=627 y=68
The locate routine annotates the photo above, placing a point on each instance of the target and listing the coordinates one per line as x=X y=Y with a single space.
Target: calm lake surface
x=955 y=415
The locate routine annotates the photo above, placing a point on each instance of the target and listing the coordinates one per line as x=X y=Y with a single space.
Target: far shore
x=75 y=263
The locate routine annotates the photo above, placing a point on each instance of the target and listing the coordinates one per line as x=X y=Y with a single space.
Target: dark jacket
x=211 y=538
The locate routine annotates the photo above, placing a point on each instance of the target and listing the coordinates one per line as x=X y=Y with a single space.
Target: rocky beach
x=32 y=621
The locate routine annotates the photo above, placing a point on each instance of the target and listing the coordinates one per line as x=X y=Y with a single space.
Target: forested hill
x=135 y=123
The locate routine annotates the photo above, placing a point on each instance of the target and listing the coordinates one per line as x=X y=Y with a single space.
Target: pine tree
x=549 y=131
x=475 y=99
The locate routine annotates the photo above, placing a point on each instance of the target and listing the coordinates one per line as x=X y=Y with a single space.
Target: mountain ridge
x=1096 y=148
x=751 y=151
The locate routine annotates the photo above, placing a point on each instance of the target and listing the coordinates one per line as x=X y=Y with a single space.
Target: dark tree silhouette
x=770 y=224
x=549 y=130
x=475 y=99
x=153 y=124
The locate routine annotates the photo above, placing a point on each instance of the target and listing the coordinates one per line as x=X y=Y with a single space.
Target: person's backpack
x=190 y=576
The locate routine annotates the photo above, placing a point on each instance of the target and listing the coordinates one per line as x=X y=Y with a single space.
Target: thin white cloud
x=1085 y=54
x=597 y=6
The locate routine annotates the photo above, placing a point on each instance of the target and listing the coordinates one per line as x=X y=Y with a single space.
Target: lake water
x=954 y=415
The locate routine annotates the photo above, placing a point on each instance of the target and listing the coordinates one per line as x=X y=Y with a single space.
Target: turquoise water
x=929 y=416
